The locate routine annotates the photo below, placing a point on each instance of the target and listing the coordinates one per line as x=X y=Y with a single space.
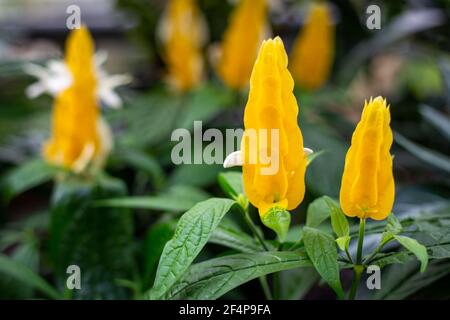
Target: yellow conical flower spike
x=367 y=188
x=182 y=33
x=313 y=50
x=241 y=42
x=76 y=139
x=272 y=107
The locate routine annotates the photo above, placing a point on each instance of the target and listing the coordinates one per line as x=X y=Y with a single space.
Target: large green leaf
x=296 y=283
x=98 y=240
x=26 y=276
x=177 y=199
x=321 y=249
x=431 y=157
x=193 y=232
x=235 y=239
x=213 y=278
x=402 y=282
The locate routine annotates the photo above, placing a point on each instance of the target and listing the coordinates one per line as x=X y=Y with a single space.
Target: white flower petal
x=53 y=79
x=109 y=97
x=100 y=57
x=308 y=151
x=234 y=159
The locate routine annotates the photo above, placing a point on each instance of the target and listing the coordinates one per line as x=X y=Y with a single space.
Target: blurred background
x=407 y=61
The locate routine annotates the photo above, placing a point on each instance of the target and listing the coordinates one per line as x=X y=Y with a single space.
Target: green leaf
x=235 y=239
x=338 y=220
x=197 y=175
x=437 y=119
x=343 y=242
x=203 y=104
x=325 y=173
x=429 y=156
x=213 y=278
x=143 y=162
x=402 y=283
x=385 y=259
x=416 y=248
x=142 y=119
x=193 y=232
x=278 y=219
x=98 y=240
x=155 y=240
x=177 y=199
x=296 y=283
x=318 y=211
x=26 y=276
x=27 y=176
x=231 y=183
x=393 y=224
x=321 y=249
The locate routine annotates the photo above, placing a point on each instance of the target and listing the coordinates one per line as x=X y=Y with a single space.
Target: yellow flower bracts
x=367 y=188
x=76 y=138
x=272 y=105
x=183 y=33
x=241 y=42
x=313 y=50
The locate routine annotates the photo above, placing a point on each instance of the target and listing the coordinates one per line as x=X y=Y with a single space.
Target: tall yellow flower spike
x=76 y=130
x=272 y=105
x=367 y=188
x=182 y=32
x=313 y=50
x=241 y=42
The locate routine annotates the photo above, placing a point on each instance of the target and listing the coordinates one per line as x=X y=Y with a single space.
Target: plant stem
x=376 y=251
x=263 y=279
x=358 y=267
x=362 y=226
x=265 y=287
x=252 y=227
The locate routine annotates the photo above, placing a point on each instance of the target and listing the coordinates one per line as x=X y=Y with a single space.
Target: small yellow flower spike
x=367 y=188
x=313 y=50
x=77 y=131
x=272 y=107
x=241 y=42
x=182 y=33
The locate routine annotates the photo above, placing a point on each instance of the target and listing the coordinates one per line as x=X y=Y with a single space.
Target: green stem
x=358 y=271
x=376 y=251
x=358 y=267
x=265 y=287
x=348 y=255
x=252 y=227
x=362 y=226
x=263 y=279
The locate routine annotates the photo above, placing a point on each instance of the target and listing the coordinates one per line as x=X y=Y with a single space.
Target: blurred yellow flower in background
x=238 y=50
x=183 y=32
x=79 y=137
x=313 y=50
x=367 y=187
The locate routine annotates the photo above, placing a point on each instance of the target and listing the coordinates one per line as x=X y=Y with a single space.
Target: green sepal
x=279 y=220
